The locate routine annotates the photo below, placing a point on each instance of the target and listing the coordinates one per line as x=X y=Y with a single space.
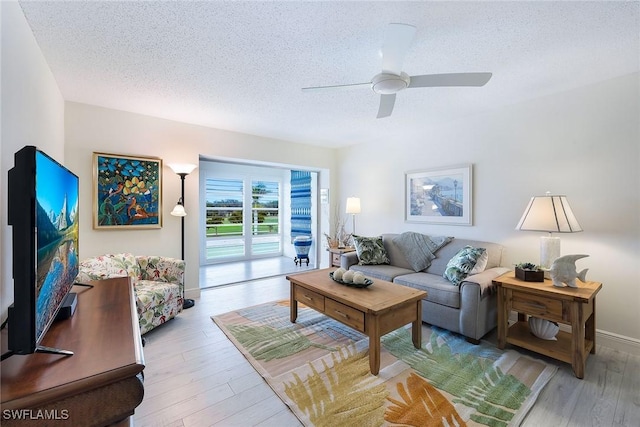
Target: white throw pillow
x=481 y=264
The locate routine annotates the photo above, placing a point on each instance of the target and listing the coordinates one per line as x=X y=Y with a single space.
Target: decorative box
x=530 y=275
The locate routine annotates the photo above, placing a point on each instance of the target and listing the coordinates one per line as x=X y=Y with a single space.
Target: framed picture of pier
x=439 y=196
x=127 y=192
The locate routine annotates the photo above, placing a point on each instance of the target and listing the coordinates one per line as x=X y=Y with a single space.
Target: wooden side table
x=336 y=253
x=571 y=306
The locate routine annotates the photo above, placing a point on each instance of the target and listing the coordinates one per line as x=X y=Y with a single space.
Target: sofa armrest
x=86 y=275
x=484 y=279
x=348 y=259
x=162 y=269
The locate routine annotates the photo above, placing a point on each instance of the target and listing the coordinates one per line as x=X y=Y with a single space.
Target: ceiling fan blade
x=336 y=87
x=451 y=79
x=386 y=105
x=395 y=47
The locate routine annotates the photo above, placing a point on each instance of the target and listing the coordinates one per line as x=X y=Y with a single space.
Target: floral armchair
x=158 y=282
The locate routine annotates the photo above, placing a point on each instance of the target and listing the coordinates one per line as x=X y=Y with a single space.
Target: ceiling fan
x=392 y=79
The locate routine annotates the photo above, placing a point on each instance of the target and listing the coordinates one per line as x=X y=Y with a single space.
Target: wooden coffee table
x=376 y=310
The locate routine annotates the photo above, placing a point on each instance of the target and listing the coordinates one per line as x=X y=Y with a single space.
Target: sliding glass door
x=243 y=218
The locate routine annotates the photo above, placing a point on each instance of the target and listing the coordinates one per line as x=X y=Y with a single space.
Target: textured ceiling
x=241 y=65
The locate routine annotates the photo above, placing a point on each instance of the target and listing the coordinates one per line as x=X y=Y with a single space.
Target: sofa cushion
x=462 y=263
x=383 y=272
x=419 y=249
x=370 y=250
x=161 y=269
x=395 y=255
x=151 y=293
x=438 y=289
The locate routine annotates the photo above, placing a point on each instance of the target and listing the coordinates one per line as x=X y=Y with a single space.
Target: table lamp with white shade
x=353 y=208
x=551 y=214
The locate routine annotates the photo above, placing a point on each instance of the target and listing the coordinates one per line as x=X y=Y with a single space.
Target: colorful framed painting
x=127 y=192
x=439 y=196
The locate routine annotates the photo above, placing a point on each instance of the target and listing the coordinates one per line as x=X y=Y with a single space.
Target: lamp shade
x=549 y=213
x=353 y=205
x=182 y=168
x=178 y=210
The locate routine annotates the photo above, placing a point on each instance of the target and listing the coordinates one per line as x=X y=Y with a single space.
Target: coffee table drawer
x=345 y=314
x=310 y=298
x=537 y=305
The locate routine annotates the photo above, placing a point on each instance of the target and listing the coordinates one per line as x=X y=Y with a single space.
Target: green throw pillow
x=419 y=249
x=370 y=250
x=462 y=263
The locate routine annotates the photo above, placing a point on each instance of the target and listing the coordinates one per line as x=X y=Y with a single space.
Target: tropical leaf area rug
x=320 y=369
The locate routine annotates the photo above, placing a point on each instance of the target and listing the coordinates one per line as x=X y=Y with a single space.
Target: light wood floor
x=242 y=271
x=194 y=376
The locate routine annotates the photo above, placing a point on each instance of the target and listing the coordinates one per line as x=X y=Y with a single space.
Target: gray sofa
x=469 y=309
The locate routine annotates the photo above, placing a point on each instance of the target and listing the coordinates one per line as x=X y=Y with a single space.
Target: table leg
x=416 y=327
x=577 y=340
x=374 y=345
x=590 y=326
x=502 y=318
x=293 y=304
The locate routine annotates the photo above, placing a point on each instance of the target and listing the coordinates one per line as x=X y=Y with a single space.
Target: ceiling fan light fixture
x=386 y=84
x=392 y=79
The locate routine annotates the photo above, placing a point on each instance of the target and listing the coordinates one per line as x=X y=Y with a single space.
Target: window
x=224 y=207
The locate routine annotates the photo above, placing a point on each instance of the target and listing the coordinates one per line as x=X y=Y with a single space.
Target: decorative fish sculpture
x=563 y=271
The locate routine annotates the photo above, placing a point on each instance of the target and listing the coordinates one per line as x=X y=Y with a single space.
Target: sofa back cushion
x=111 y=265
x=396 y=257
x=419 y=249
x=161 y=269
x=444 y=254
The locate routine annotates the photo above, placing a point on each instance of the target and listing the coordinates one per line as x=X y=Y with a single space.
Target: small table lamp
x=353 y=208
x=551 y=214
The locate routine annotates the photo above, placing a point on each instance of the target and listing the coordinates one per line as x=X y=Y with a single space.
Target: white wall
x=94 y=129
x=584 y=143
x=32 y=114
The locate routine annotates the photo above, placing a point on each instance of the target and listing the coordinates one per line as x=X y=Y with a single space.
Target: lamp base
x=549 y=252
x=188 y=303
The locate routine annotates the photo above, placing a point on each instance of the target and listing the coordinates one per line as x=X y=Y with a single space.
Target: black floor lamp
x=182 y=170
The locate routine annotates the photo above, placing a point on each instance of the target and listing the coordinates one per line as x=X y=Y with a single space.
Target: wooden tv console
x=101 y=384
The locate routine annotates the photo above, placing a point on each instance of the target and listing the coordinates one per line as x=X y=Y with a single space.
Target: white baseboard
x=192 y=293
x=618 y=342
x=612 y=340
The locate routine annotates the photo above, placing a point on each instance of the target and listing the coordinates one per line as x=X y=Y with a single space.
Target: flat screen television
x=43 y=213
